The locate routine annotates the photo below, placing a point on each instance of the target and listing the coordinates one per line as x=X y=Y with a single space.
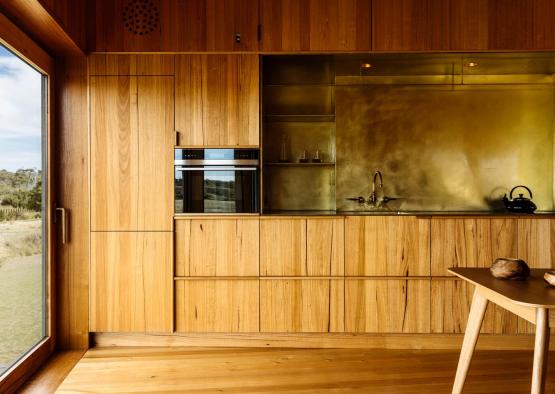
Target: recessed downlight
x=366 y=65
x=470 y=64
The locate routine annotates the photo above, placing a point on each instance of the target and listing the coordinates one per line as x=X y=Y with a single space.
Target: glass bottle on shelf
x=303 y=158
x=316 y=158
x=284 y=152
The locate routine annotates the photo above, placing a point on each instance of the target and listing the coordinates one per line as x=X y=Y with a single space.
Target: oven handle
x=216 y=169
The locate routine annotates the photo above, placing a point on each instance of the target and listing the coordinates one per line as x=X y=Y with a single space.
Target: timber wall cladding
x=327 y=25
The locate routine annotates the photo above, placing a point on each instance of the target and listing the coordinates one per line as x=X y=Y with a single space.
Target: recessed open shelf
x=300 y=118
x=299 y=164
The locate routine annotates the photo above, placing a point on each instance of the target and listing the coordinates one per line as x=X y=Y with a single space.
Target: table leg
x=541 y=350
x=477 y=311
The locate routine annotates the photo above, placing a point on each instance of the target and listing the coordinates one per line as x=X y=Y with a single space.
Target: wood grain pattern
x=301 y=305
x=131 y=153
x=116 y=65
x=202 y=25
x=536 y=242
x=471 y=242
x=114 y=153
x=131 y=282
x=216 y=306
x=156 y=138
x=387 y=246
x=387 y=306
x=325 y=247
x=283 y=247
x=193 y=370
x=226 y=247
x=217 y=100
x=49 y=377
x=410 y=25
x=449 y=311
x=72 y=192
x=315 y=25
x=63 y=35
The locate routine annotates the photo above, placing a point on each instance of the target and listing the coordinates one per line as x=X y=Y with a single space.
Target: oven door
x=216 y=189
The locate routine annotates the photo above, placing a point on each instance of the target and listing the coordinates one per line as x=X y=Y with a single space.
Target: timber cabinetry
x=216 y=305
x=217 y=100
x=216 y=247
x=301 y=305
x=302 y=247
x=131 y=282
x=315 y=25
x=132 y=136
x=410 y=25
x=179 y=26
x=387 y=305
x=387 y=246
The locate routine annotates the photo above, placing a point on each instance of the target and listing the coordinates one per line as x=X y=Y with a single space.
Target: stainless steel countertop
x=407 y=213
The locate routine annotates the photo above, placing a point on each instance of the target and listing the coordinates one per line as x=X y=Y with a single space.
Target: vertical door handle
x=64 y=223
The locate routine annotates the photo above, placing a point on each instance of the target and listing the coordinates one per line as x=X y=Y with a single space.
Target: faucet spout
x=374 y=196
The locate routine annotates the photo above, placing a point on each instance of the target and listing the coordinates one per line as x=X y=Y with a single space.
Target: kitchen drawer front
x=307 y=305
x=216 y=305
x=217 y=247
x=387 y=305
x=302 y=247
x=387 y=246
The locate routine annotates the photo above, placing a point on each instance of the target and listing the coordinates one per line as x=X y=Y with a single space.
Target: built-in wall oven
x=217 y=181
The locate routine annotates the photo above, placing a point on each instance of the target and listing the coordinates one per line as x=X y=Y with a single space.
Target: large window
x=23 y=294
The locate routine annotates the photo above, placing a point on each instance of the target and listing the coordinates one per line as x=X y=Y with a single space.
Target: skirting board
x=361 y=341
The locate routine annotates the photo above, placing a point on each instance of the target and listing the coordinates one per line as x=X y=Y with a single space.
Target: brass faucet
x=374 y=197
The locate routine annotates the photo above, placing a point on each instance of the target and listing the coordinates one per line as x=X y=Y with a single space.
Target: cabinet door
x=114 y=147
x=471 y=242
x=131 y=282
x=302 y=247
x=132 y=137
x=536 y=242
x=217 y=247
x=410 y=25
x=301 y=305
x=451 y=306
x=387 y=246
x=387 y=305
x=502 y=24
x=283 y=247
x=217 y=100
x=316 y=25
x=216 y=305
x=156 y=140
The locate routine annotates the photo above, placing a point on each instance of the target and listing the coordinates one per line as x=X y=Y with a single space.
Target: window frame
x=18 y=42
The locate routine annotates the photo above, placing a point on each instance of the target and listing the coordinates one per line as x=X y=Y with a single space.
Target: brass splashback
x=447 y=136
x=445 y=147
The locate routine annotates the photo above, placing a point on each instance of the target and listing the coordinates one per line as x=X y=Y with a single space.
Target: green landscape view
x=20 y=263
x=21 y=256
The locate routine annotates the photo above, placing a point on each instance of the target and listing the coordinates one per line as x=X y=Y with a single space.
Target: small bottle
x=283 y=154
x=316 y=158
x=303 y=158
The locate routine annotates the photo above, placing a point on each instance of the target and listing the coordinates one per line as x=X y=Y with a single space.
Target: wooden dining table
x=531 y=299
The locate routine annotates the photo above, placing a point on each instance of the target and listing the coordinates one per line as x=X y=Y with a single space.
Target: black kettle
x=520 y=204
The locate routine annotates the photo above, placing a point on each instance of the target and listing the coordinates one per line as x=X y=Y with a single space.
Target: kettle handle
x=516 y=187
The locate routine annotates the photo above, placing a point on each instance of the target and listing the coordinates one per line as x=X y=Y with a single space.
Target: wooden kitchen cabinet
x=387 y=246
x=471 y=242
x=217 y=247
x=302 y=247
x=502 y=25
x=217 y=100
x=536 y=242
x=451 y=306
x=216 y=305
x=387 y=305
x=131 y=282
x=315 y=25
x=132 y=137
x=410 y=25
x=302 y=305
x=178 y=26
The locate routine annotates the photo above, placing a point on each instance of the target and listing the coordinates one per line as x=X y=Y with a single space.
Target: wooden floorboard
x=247 y=370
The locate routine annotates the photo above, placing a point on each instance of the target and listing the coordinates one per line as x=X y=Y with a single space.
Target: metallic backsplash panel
x=458 y=147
